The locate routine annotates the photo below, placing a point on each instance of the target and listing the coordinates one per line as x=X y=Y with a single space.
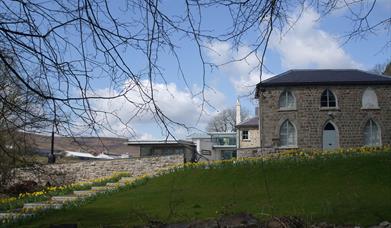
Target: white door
x=329 y=137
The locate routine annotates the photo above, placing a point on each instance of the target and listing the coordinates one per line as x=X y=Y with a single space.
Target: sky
x=315 y=42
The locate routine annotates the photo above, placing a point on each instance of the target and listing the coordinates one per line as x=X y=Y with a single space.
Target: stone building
x=247 y=132
x=323 y=109
x=248 y=135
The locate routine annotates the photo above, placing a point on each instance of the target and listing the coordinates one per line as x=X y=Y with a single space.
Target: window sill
x=288 y=147
x=374 y=145
x=287 y=109
x=374 y=108
x=329 y=109
x=246 y=140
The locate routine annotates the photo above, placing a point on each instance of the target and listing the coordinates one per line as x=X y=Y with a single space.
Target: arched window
x=328 y=99
x=369 y=99
x=372 y=136
x=287 y=100
x=287 y=134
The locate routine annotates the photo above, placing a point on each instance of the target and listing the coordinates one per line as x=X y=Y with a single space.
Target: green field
x=340 y=189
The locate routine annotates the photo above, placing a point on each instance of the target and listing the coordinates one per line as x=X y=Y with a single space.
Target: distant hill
x=93 y=145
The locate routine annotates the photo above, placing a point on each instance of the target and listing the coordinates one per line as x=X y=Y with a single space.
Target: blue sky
x=314 y=42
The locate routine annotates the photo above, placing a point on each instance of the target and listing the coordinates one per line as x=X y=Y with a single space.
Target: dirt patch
x=248 y=220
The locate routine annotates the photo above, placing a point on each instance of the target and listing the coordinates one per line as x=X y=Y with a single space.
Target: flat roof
x=159 y=142
x=210 y=134
x=224 y=146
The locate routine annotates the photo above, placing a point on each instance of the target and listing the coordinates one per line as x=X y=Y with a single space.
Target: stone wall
x=59 y=174
x=254 y=152
x=309 y=118
x=252 y=141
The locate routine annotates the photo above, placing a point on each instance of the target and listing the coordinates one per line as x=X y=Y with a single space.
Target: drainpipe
x=260 y=119
x=238 y=120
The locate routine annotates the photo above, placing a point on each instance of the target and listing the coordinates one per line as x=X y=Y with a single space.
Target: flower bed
x=45 y=194
x=287 y=154
x=340 y=177
x=299 y=154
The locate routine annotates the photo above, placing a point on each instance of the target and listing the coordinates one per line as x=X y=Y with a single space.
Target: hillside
x=352 y=188
x=94 y=145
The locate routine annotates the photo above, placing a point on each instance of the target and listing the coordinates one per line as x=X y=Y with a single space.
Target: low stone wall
x=254 y=152
x=59 y=174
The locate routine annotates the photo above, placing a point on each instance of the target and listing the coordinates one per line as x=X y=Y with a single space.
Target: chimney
x=238 y=118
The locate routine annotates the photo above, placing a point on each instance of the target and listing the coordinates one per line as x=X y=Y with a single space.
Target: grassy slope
x=354 y=189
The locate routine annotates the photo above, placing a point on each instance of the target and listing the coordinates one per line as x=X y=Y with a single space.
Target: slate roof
x=252 y=122
x=324 y=77
x=329 y=77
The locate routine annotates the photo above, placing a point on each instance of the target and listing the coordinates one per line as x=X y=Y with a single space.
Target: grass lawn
x=342 y=189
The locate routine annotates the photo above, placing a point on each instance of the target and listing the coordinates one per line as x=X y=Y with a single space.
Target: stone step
x=115 y=184
x=101 y=188
x=126 y=179
x=42 y=205
x=6 y=216
x=84 y=193
x=63 y=199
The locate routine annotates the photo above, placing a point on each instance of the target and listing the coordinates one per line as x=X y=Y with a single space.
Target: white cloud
x=305 y=45
x=136 y=119
x=241 y=66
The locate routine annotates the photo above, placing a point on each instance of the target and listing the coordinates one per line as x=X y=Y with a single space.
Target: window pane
x=284 y=141
x=244 y=134
x=323 y=99
x=369 y=99
x=286 y=100
x=291 y=139
x=332 y=102
x=282 y=101
x=287 y=134
x=327 y=99
x=329 y=126
x=284 y=128
x=290 y=100
x=371 y=134
x=323 y=103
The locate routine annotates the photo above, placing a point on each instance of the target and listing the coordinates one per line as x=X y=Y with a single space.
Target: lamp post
x=51 y=157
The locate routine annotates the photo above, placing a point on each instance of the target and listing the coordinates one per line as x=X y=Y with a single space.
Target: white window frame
x=248 y=135
x=371 y=123
x=285 y=95
x=364 y=100
x=328 y=91
x=294 y=144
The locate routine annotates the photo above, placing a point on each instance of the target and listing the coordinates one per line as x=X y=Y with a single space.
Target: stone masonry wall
x=309 y=118
x=253 y=140
x=58 y=174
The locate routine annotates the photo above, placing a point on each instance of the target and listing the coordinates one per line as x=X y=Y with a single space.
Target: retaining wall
x=59 y=174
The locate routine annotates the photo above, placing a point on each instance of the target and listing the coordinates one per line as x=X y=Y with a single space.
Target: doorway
x=330 y=137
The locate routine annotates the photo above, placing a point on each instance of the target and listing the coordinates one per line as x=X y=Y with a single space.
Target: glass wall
x=228 y=154
x=224 y=139
x=158 y=150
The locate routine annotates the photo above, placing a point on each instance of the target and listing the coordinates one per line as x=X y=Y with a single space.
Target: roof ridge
x=330 y=69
